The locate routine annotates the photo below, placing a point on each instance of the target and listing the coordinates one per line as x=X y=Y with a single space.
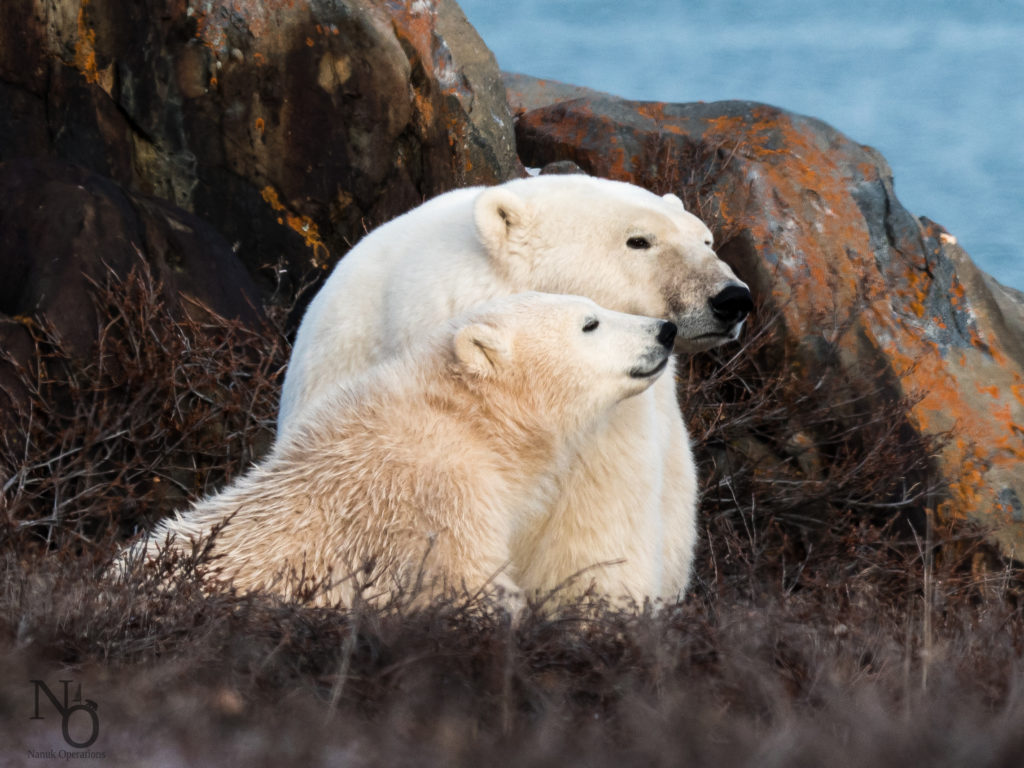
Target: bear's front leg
x=473 y=567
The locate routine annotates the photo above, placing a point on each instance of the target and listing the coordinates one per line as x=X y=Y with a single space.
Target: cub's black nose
x=733 y=304
x=667 y=334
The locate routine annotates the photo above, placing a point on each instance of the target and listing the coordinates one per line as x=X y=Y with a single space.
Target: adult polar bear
x=626 y=516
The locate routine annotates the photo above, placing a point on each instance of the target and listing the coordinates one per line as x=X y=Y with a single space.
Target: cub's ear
x=500 y=216
x=673 y=199
x=481 y=349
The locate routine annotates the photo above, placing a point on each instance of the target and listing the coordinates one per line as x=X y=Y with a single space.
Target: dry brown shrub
x=819 y=632
x=166 y=410
x=802 y=453
x=792 y=462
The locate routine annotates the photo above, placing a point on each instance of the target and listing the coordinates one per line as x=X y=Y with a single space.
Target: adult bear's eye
x=640 y=243
x=591 y=325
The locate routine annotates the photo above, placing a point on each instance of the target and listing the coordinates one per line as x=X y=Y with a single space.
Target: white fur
x=430 y=465
x=632 y=495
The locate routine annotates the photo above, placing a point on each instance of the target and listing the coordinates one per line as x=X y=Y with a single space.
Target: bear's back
x=363 y=314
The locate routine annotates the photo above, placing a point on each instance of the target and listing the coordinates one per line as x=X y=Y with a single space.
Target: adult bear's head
x=618 y=244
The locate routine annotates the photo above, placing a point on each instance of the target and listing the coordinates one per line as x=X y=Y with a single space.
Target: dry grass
x=831 y=623
x=794 y=463
x=166 y=410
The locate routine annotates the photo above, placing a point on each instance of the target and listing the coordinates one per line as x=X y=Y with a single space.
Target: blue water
x=937 y=86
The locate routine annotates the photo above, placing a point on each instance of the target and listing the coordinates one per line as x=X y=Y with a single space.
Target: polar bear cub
x=630 y=497
x=418 y=475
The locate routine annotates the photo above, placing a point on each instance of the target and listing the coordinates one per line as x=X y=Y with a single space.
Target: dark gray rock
x=291 y=127
x=63 y=227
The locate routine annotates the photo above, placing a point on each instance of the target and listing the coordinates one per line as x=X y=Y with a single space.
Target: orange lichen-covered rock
x=290 y=125
x=812 y=222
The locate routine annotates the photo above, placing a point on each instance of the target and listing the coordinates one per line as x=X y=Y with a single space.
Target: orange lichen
x=957 y=292
x=424 y=110
x=304 y=226
x=85 y=47
x=992 y=391
x=868 y=170
x=988 y=436
x=1018 y=390
x=997 y=356
x=270 y=196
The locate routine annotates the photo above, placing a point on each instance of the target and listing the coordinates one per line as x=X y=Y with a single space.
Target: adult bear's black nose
x=667 y=334
x=733 y=304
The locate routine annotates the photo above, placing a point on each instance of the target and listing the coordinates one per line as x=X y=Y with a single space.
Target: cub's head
x=620 y=245
x=563 y=357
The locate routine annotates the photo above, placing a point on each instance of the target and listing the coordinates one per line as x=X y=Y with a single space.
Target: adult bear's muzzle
x=732 y=305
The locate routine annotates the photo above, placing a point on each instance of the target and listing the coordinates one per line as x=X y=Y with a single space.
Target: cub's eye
x=639 y=243
x=591 y=325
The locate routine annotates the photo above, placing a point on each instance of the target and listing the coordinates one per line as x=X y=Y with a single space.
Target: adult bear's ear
x=500 y=217
x=481 y=349
x=673 y=199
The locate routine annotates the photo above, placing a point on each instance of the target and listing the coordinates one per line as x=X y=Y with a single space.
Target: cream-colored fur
x=425 y=470
x=631 y=495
